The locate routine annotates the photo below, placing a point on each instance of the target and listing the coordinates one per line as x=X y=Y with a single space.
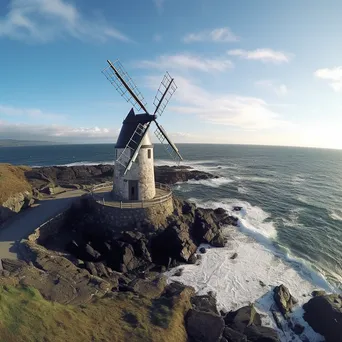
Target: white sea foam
x=291 y=220
x=214 y=182
x=336 y=214
x=237 y=282
x=251 y=218
x=88 y=163
x=242 y=190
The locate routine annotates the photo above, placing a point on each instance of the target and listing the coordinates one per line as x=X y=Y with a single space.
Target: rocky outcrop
x=324 y=314
x=45 y=178
x=284 y=300
x=245 y=325
x=204 y=326
x=14 y=204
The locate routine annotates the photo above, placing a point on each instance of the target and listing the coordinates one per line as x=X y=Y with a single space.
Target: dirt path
x=24 y=223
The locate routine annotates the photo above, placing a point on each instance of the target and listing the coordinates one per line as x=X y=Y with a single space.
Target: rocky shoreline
x=87 y=260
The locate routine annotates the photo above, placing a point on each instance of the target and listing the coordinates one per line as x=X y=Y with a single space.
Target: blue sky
x=249 y=72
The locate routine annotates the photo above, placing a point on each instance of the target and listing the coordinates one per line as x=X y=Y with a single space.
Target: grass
x=12 y=181
x=26 y=316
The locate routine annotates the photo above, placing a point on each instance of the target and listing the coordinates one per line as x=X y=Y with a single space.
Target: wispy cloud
x=245 y=113
x=57 y=133
x=332 y=75
x=276 y=87
x=186 y=62
x=218 y=35
x=29 y=112
x=41 y=21
x=263 y=55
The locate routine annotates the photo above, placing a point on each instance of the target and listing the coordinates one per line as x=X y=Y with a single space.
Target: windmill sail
x=123 y=83
x=130 y=152
x=169 y=146
x=166 y=90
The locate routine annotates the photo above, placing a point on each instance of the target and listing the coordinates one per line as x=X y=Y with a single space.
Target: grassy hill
x=26 y=316
x=12 y=181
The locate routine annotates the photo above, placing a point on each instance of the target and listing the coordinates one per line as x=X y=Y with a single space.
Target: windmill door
x=133 y=190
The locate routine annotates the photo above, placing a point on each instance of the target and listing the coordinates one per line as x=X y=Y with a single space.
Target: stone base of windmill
x=117 y=213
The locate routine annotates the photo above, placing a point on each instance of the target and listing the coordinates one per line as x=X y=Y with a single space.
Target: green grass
x=26 y=316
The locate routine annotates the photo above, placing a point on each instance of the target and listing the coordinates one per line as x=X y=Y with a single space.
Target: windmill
x=134 y=165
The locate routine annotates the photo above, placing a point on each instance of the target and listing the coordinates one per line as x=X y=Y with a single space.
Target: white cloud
x=186 y=62
x=45 y=20
x=277 y=88
x=57 y=133
x=219 y=35
x=29 y=112
x=333 y=76
x=264 y=55
x=246 y=113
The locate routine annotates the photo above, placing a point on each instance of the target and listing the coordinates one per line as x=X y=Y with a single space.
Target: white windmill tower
x=134 y=165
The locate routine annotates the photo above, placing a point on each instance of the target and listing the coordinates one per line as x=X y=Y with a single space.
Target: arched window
x=149 y=154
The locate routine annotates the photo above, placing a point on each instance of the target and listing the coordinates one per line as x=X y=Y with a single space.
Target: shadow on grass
x=161 y=312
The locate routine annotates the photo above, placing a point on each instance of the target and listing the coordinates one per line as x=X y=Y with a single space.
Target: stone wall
x=156 y=214
x=50 y=227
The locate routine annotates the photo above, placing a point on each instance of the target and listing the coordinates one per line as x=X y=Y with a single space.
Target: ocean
x=290 y=225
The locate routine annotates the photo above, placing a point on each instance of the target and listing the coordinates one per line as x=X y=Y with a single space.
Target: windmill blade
x=123 y=83
x=166 y=90
x=130 y=152
x=169 y=146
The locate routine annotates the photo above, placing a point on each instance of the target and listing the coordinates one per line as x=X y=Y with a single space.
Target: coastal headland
x=69 y=274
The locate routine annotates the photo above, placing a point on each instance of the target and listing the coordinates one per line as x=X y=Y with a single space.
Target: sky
x=248 y=72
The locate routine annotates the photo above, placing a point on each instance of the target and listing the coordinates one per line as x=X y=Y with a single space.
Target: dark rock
x=188 y=208
x=324 y=314
x=218 y=240
x=237 y=208
x=178 y=272
x=284 y=299
x=203 y=250
x=234 y=336
x=262 y=284
x=316 y=293
x=174 y=174
x=298 y=329
x=261 y=334
x=174 y=242
x=205 y=227
x=206 y=303
x=234 y=256
x=91 y=253
x=13 y=265
x=192 y=259
x=149 y=288
x=243 y=317
x=122 y=258
x=204 y=326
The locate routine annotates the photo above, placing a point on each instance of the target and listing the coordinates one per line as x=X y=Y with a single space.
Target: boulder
x=261 y=334
x=218 y=240
x=240 y=319
x=174 y=242
x=324 y=314
x=205 y=303
x=234 y=256
x=284 y=299
x=91 y=253
x=204 y=326
x=316 y=293
x=204 y=228
x=234 y=336
x=13 y=266
x=203 y=250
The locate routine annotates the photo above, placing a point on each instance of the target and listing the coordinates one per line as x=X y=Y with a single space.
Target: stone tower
x=138 y=184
